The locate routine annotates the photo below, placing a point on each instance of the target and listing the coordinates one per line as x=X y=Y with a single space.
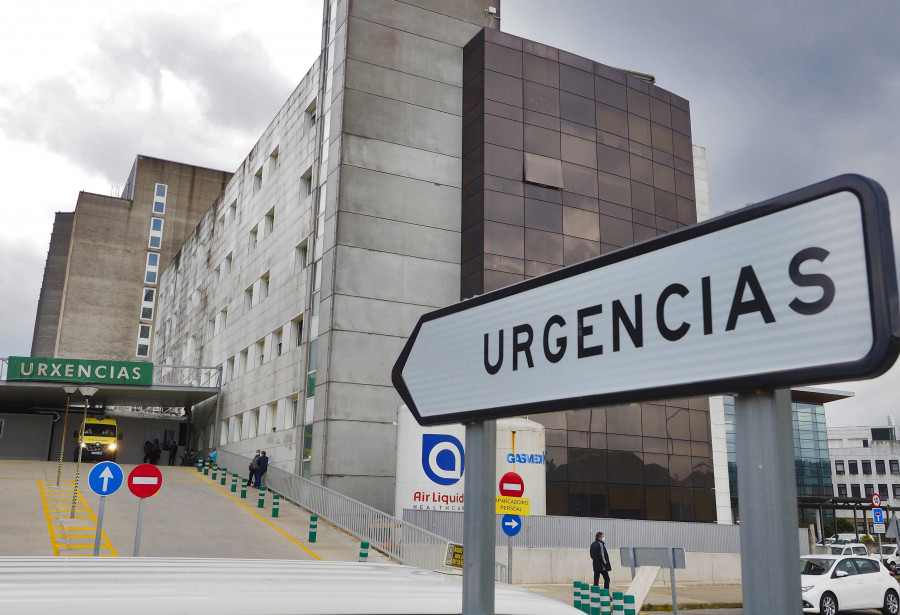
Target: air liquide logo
x=443 y=458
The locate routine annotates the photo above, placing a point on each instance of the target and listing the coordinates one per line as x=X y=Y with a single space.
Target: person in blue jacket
x=262 y=464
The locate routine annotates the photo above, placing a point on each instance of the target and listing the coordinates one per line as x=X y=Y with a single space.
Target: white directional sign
x=798 y=290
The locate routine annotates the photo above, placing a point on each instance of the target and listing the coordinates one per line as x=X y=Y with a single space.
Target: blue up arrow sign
x=105 y=478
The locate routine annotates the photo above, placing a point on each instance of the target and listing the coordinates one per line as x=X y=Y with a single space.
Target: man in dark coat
x=600 y=557
x=253 y=466
x=262 y=464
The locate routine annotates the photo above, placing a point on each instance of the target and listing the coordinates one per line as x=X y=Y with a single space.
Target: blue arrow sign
x=511 y=524
x=105 y=478
x=877 y=515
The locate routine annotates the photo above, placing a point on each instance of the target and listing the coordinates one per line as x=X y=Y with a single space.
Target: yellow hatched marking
x=60 y=532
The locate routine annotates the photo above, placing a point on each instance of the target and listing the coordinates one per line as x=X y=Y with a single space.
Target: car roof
x=144 y=586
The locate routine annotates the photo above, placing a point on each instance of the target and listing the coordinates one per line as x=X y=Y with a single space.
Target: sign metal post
x=478 y=518
x=144 y=481
x=99 y=526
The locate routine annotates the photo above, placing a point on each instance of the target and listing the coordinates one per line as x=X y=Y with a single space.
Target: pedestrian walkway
x=690 y=597
x=190 y=517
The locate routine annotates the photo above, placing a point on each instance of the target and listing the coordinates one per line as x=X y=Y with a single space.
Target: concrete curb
x=692 y=606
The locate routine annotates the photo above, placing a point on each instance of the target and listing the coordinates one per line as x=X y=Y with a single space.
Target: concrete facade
x=865 y=460
x=94 y=293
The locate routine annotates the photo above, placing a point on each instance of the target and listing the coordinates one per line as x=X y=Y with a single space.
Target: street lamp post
x=62 y=444
x=87 y=392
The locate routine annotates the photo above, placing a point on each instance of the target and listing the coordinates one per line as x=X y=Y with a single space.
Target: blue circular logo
x=443 y=458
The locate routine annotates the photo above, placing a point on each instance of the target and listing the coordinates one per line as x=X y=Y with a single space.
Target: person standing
x=173 y=452
x=253 y=466
x=155 y=451
x=262 y=464
x=600 y=557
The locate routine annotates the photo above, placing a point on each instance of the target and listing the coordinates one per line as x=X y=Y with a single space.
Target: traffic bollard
x=618 y=603
x=234 y=483
x=224 y=475
x=629 y=605
x=199 y=467
x=364 y=551
x=595 y=600
x=275 y=501
x=576 y=594
x=243 y=488
x=205 y=469
x=313 y=526
x=215 y=473
x=605 y=602
x=262 y=497
x=586 y=598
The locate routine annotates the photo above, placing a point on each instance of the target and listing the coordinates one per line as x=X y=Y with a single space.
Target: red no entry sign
x=512 y=485
x=145 y=480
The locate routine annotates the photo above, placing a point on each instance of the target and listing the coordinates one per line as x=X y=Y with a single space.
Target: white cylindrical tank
x=431 y=463
x=520 y=449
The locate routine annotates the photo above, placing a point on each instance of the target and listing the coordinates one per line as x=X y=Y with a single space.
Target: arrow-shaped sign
x=106 y=474
x=685 y=314
x=512 y=523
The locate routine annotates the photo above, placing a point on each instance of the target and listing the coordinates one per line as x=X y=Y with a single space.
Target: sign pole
x=478 y=518
x=137 y=534
x=99 y=526
x=767 y=497
x=509 y=559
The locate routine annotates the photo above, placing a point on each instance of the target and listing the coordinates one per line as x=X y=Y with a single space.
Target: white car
x=850 y=548
x=889 y=555
x=833 y=582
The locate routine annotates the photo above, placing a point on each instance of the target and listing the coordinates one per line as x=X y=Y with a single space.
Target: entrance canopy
x=171 y=386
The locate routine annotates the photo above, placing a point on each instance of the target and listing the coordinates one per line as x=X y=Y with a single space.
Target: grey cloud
x=21 y=271
x=124 y=113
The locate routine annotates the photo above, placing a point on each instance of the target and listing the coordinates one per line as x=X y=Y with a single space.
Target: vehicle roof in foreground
x=144 y=586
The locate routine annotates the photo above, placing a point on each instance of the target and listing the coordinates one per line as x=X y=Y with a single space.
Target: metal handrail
x=399 y=540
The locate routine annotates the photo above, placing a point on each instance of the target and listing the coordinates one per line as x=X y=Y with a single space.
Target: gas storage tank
x=431 y=463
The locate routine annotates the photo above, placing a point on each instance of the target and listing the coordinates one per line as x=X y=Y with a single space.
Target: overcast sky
x=783 y=94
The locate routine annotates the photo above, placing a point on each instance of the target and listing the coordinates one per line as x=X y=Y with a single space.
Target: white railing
x=399 y=540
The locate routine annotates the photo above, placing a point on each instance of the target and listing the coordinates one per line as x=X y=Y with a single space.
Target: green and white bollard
x=618 y=603
x=215 y=473
x=586 y=598
x=262 y=497
x=313 y=527
x=206 y=469
x=199 y=467
x=595 y=600
x=234 y=483
x=629 y=605
x=364 y=551
x=224 y=475
x=276 y=499
x=243 y=488
x=576 y=594
x=605 y=602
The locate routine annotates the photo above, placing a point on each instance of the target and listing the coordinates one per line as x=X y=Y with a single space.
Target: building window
x=311 y=115
x=311 y=370
x=839 y=466
x=269 y=223
x=894 y=465
x=278 y=343
x=273 y=161
x=883 y=491
x=253 y=428
x=260 y=351
x=297 y=331
x=879 y=466
x=842 y=491
x=306 y=184
x=866 y=466
x=852 y=467
x=870 y=489
x=317 y=284
x=226 y=265
x=257 y=180
x=156 y=231
x=865 y=443
x=229 y=369
x=147 y=304
x=159 y=201
x=300 y=257
x=252 y=242
x=896 y=488
x=290 y=415
x=221 y=320
x=248 y=298
x=245 y=359
x=271 y=416
x=152 y=268
x=854 y=491
x=143 y=345
x=264 y=286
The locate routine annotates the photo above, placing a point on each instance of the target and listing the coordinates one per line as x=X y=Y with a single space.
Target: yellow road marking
x=264 y=520
x=59 y=533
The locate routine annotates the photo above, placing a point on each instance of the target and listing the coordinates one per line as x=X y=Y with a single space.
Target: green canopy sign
x=80 y=371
